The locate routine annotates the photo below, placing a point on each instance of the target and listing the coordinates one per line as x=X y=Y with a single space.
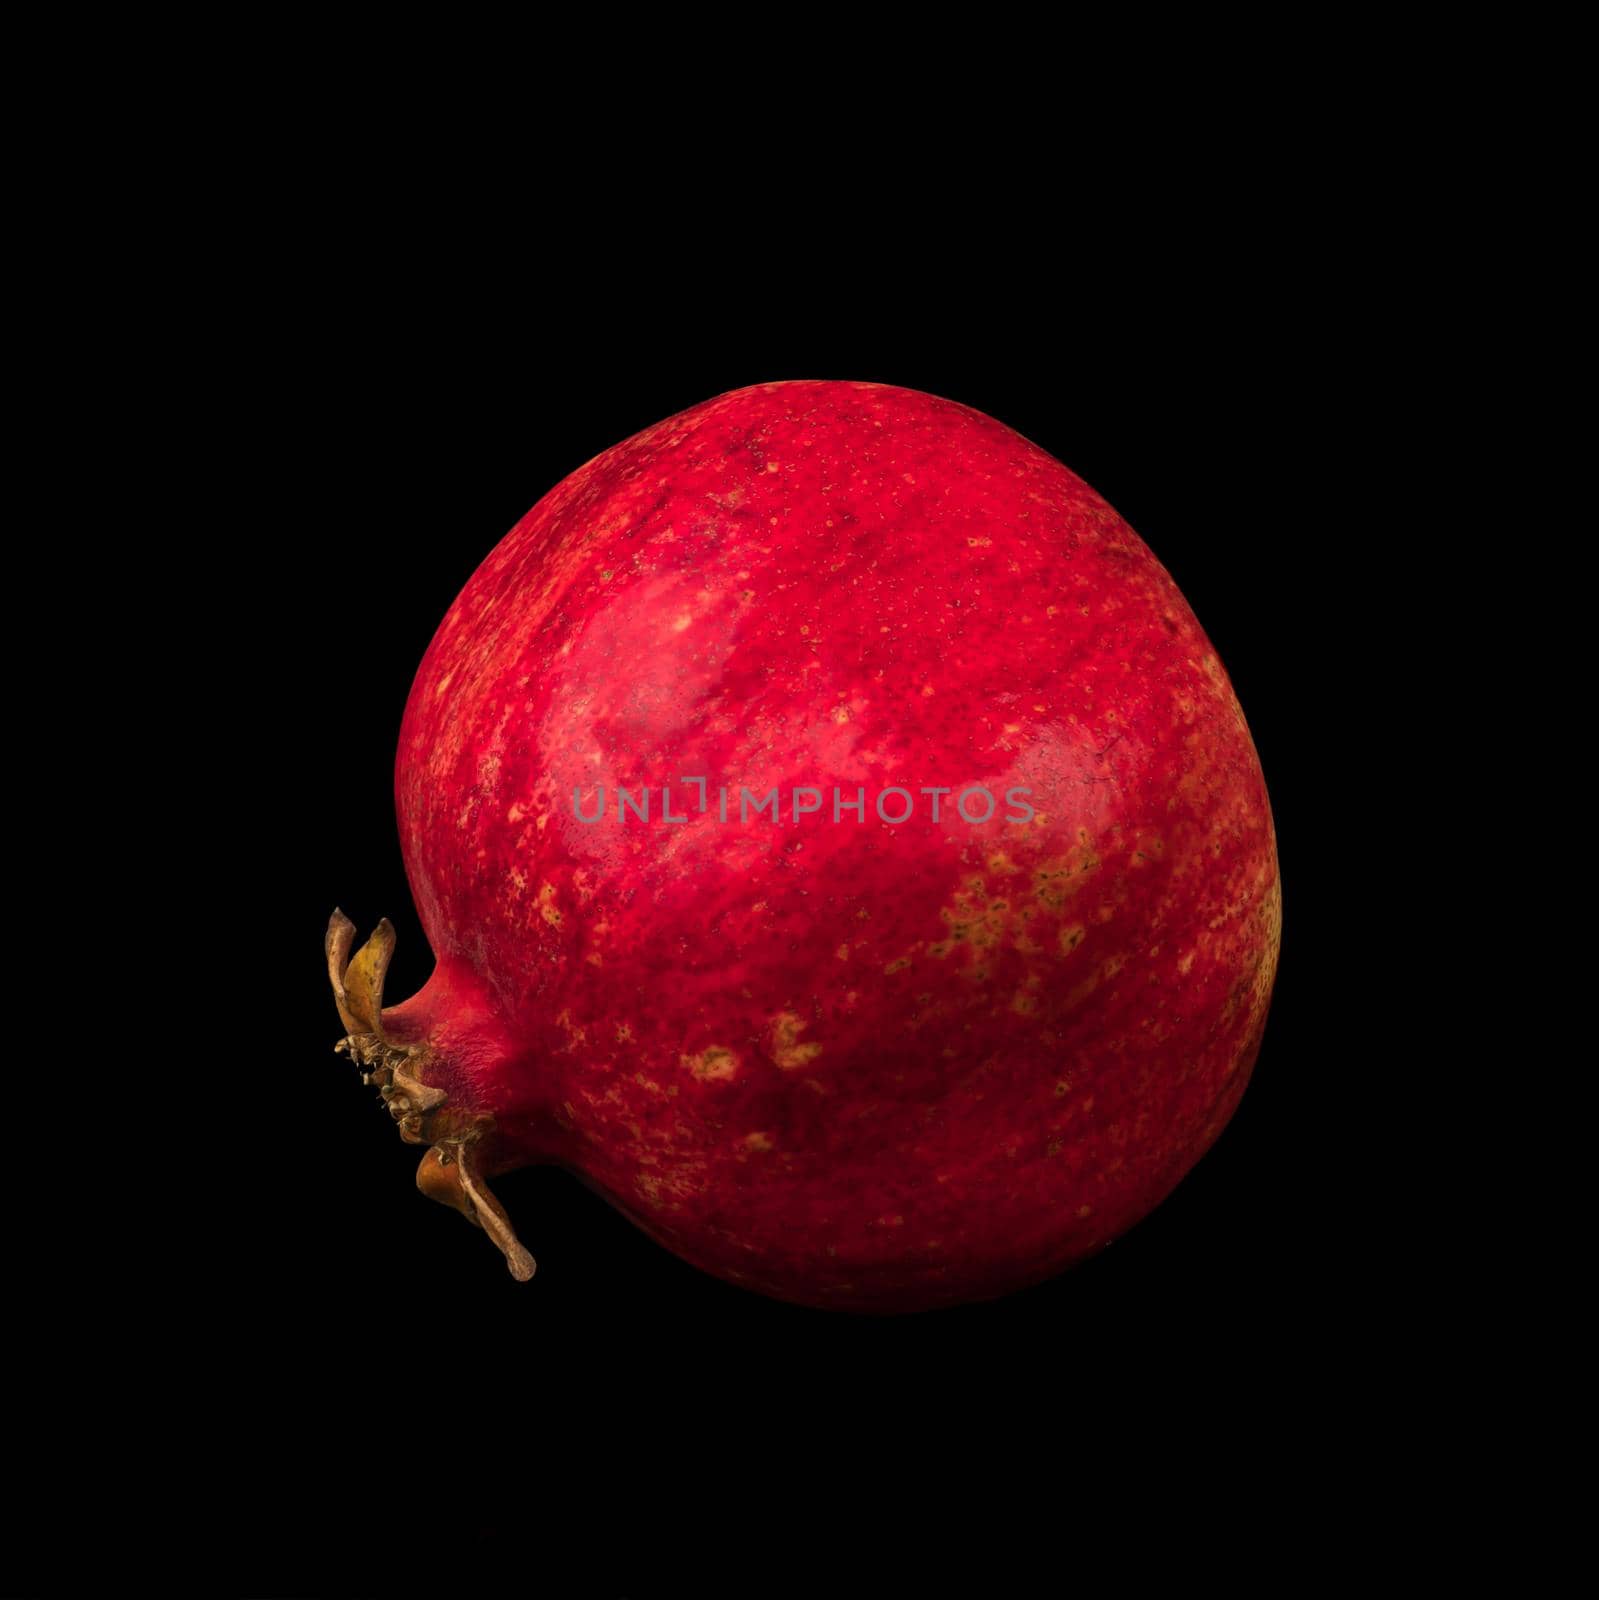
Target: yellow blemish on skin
x=772 y=466
x=1063 y=1088
x=1062 y=876
x=519 y=877
x=1149 y=847
x=1084 y=1211
x=1269 y=915
x=1070 y=938
x=624 y=1034
x=899 y=965
x=682 y=622
x=787 y=1051
x=1076 y=996
x=515 y=814
x=547 y=906
x=979 y=544
x=1040 y=708
x=927 y=688
x=842 y=952
x=542 y=821
x=841 y=715
x=1050 y=611
x=1024 y=1004
x=712 y=1065
x=1002 y=865
x=757 y=1141
x=973 y=918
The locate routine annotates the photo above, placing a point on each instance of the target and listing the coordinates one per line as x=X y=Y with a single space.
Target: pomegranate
x=839 y=845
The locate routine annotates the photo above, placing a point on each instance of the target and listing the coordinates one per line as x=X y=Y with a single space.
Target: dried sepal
x=449 y=1172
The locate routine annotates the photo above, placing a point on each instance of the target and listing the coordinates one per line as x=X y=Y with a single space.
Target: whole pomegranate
x=840 y=846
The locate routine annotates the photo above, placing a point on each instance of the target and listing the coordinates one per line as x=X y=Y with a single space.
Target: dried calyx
x=450 y=1171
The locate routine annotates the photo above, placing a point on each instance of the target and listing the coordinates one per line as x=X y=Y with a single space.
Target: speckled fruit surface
x=847 y=1063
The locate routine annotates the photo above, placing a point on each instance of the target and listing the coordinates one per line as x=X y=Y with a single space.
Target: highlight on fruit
x=930 y=1055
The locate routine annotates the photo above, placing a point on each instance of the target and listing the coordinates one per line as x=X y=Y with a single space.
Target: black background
x=379 y=1402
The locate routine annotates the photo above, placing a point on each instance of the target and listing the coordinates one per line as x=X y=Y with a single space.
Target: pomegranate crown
x=451 y=1170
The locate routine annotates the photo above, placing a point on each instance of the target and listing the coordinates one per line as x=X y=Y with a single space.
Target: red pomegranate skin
x=847 y=1064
